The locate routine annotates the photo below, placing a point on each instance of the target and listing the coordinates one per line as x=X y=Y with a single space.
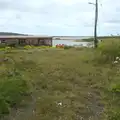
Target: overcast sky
x=59 y=17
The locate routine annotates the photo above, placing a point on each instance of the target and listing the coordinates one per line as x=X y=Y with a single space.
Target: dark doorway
x=22 y=42
x=41 y=42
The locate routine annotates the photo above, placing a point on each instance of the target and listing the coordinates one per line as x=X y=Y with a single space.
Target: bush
x=68 y=47
x=114 y=116
x=2 y=45
x=12 y=92
x=110 y=48
x=28 y=47
x=4 y=107
x=2 y=49
x=114 y=110
x=107 y=51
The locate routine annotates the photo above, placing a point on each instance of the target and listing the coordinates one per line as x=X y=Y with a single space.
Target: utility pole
x=96 y=20
x=95 y=25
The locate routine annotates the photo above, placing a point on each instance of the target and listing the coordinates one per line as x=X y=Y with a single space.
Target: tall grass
x=110 y=49
x=73 y=84
x=13 y=88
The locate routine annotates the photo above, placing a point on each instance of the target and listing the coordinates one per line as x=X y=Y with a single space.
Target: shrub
x=114 y=111
x=107 y=51
x=28 y=47
x=2 y=49
x=110 y=48
x=114 y=116
x=4 y=107
x=12 y=91
x=2 y=45
x=68 y=47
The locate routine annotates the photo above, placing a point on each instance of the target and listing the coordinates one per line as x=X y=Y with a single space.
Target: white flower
x=117 y=58
x=33 y=111
x=60 y=103
x=115 y=62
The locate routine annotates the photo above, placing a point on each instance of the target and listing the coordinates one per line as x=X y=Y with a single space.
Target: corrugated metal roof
x=20 y=36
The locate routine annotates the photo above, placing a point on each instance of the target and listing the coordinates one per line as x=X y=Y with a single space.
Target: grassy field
x=58 y=84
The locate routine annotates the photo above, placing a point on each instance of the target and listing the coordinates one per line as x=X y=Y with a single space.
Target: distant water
x=69 y=42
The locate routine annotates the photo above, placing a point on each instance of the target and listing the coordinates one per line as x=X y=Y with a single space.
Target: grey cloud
x=50 y=7
x=14 y=6
x=49 y=14
x=21 y=6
